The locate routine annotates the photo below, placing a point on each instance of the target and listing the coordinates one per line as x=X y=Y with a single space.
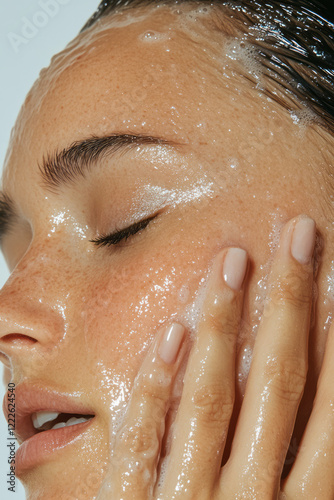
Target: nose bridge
x=33 y=300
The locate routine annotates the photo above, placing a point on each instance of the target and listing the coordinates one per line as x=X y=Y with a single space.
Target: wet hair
x=292 y=39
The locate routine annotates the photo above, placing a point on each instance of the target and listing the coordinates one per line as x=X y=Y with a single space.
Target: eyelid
x=114 y=239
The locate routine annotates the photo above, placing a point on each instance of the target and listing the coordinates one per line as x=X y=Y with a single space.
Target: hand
x=274 y=389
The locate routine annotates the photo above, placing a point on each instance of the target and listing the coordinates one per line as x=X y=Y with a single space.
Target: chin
x=72 y=471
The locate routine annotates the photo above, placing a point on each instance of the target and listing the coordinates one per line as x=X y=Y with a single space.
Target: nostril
x=18 y=339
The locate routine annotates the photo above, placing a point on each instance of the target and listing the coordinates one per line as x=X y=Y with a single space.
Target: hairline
x=319 y=127
x=220 y=24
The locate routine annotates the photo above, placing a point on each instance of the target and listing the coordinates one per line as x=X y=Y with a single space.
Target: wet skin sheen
x=241 y=169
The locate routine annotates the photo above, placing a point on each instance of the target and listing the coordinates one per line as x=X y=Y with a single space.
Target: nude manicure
x=303 y=240
x=170 y=343
x=235 y=266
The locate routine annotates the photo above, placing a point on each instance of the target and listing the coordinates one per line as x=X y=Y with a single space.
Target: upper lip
x=31 y=399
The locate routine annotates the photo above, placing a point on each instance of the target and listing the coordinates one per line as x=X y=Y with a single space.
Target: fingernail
x=303 y=240
x=170 y=343
x=234 y=270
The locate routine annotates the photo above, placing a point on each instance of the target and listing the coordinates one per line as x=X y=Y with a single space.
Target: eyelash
x=109 y=240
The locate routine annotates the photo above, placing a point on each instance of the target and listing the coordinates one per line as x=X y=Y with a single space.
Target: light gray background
x=54 y=24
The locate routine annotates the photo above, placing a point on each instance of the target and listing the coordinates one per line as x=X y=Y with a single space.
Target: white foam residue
x=162 y=472
x=197 y=13
x=276 y=219
x=303 y=118
x=191 y=315
x=260 y=298
x=239 y=50
x=244 y=364
x=183 y=294
x=156 y=195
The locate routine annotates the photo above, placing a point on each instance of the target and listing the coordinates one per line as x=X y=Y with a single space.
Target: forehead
x=152 y=72
x=128 y=69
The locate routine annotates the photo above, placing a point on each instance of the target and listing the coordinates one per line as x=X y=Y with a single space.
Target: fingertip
x=303 y=240
x=297 y=239
x=170 y=342
x=235 y=267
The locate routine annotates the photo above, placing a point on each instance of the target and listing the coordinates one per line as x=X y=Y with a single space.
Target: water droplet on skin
x=152 y=36
x=328 y=321
x=183 y=294
x=149 y=34
x=202 y=127
x=330 y=283
x=233 y=163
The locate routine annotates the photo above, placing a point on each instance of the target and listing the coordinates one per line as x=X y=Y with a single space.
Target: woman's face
x=77 y=318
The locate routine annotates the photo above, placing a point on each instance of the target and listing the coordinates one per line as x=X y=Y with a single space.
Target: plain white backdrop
x=31 y=33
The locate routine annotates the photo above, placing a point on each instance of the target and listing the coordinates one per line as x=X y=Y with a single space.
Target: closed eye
x=122 y=235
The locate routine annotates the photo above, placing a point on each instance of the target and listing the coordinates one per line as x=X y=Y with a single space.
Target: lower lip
x=41 y=446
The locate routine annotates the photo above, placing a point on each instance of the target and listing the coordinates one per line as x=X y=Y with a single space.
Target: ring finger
x=278 y=371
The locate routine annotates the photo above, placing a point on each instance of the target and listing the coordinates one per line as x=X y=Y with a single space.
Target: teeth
x=59 y=425
x=40 y=418
x=74 y=421
x=71 y=421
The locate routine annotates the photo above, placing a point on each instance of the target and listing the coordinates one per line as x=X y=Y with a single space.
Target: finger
x=138 y=442
x=278 y=371
x=207 y=400
x=312 y=474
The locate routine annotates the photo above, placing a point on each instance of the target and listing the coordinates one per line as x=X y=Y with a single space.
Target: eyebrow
x=7 y=214
x=66 y=166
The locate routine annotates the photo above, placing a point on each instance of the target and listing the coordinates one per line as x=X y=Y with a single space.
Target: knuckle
x=222 y=312
x=154 y=390
x=139 y=439
x=292 y=288
x=287 y=378
x=227 y=325
x=213 y=404
x=223 y=325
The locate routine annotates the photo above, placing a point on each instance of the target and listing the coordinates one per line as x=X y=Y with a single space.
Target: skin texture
x=273 y=393
x=243 y=169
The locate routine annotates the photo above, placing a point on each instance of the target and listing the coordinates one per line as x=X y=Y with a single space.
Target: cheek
x=123 y=313
x=126 y=309
x=137 y=291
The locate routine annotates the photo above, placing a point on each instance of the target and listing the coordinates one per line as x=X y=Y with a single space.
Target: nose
x=32 y=319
